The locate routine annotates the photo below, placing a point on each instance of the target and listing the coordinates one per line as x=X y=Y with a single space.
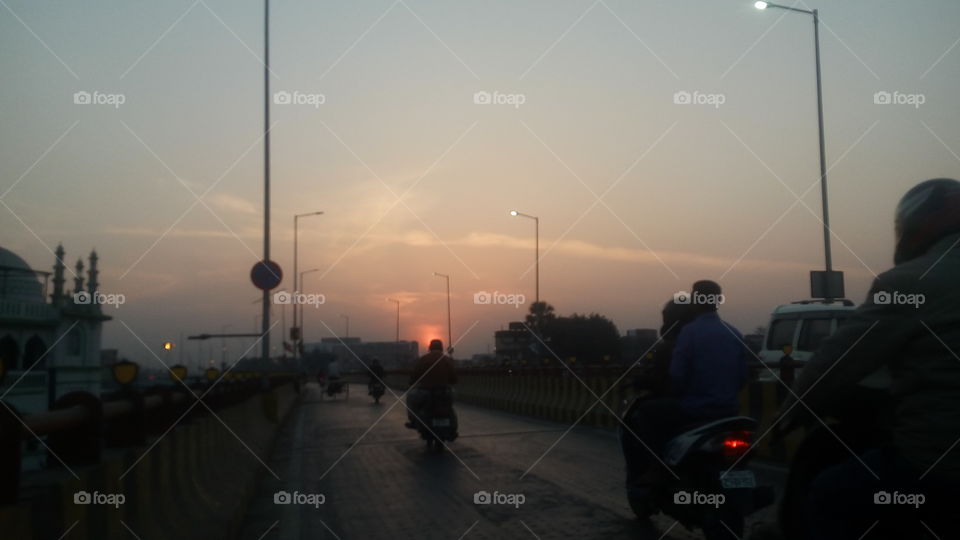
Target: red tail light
x=736 y=444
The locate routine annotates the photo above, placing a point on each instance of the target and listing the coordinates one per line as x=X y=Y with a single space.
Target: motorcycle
x=436 y=421
x=336 y=386
x=712 y=488
x=376 y=389
x=853 y=428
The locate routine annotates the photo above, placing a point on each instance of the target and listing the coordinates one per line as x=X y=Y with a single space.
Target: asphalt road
x=358 y=473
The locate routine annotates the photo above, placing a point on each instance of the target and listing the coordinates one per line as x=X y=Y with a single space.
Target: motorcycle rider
x=910 y=325
x=375 y=375
x=707 y=370
x=655 y=381
x=432 y=371
x=333 y=375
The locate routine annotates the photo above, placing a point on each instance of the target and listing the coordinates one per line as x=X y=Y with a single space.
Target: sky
x=659 y=142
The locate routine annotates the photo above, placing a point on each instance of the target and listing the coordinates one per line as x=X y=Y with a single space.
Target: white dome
x=17 y=280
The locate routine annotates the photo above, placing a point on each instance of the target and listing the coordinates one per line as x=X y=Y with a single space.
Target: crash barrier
x=163 y=463
x=592 y=396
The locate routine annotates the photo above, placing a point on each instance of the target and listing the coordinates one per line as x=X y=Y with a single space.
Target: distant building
x=49 y=348
x=352 y=353
x=482 y=360
x=515 y=345
x=637 y=342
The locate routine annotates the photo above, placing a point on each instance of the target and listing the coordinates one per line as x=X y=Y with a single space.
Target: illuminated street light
x=536 y=252
x=828 y=258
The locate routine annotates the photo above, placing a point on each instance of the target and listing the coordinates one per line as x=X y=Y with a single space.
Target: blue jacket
x=709 y=367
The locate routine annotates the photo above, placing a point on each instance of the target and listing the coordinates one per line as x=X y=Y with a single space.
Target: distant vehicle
x=333 y=387
x=801 y=325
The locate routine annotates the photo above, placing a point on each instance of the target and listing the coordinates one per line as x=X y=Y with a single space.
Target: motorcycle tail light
x=736 y=444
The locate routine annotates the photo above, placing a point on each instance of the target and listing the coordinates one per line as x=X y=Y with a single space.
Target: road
x=379 y=481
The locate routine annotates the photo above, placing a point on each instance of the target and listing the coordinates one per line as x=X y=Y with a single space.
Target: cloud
x=224 y=201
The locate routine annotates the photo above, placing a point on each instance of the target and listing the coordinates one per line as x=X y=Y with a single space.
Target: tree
x=589 y=338
x=540 y=318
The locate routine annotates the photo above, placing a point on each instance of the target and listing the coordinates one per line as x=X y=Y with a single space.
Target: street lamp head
x=760 y=5
x=514 y=213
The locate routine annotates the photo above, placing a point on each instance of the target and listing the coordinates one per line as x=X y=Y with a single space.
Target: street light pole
x=396 y=355
x=265 y=308
x=300 y=309
x=296 y=224
x=449 y=324
x=828 y=257
x=347 y=317
x=536 y=253
x=398 y=316
x=223 y=344
x=823 y=160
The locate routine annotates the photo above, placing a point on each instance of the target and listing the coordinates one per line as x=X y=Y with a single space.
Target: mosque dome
x=17 y=280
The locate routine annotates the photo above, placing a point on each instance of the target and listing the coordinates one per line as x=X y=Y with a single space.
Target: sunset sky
x=638 y=196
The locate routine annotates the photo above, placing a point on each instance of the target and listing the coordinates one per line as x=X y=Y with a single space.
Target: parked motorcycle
x=436 y=421
x=712 y=489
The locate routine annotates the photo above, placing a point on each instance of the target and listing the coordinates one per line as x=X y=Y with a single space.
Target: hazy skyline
x=687 y=191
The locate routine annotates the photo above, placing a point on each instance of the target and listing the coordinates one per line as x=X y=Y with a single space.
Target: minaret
x=78 y=278
x=92 y=274
x=58 y=268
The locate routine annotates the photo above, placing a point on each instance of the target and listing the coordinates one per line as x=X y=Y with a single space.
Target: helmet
x=925 y=214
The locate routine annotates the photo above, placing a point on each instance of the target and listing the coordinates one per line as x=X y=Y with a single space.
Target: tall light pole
x=397 y=346
x=223 y=344
x=347 y=317
x=449 y=325
x=398 y=316
x=296 y=289
x=823 y=162
x=295 y=307
x=265 y=308
x=536 y=253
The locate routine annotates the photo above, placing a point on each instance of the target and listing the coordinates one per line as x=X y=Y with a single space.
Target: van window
x=781 y=333
x=812 y=333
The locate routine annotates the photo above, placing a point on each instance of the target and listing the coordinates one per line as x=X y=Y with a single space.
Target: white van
x=802 y=325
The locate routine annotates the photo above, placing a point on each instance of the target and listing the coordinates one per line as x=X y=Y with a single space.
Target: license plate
x=738 y=479
x=441 y=422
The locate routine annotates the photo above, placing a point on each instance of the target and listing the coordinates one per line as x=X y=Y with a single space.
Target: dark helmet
x=675 y=316
x=436 y=345
x=925 y=214
x=709 y=295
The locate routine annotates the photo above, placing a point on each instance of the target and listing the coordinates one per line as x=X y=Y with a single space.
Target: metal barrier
x=80 y=426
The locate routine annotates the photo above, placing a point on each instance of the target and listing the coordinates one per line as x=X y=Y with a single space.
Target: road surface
x=377 y=480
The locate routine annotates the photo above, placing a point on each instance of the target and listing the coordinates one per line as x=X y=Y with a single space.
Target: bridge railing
x=172 y=454
x=593 y=396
